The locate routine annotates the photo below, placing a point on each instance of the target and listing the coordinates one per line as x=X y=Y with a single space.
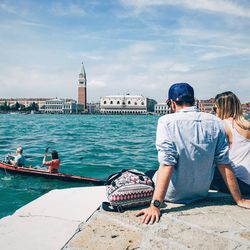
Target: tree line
x=18 y=107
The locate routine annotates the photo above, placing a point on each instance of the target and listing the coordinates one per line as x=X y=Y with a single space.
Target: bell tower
x=82 y=88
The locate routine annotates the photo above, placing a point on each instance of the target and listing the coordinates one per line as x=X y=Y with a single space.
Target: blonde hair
x=229 y=106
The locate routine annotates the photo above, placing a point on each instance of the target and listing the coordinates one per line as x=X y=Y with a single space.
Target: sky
x=139 y=47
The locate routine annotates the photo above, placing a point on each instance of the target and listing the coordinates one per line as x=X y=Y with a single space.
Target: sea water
x=88 y=145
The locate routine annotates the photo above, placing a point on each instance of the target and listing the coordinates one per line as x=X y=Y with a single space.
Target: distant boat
x=41 y=173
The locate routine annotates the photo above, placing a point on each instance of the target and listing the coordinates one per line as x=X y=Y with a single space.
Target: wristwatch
x=156 y=203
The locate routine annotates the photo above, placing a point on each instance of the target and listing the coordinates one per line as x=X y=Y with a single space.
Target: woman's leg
x=244 y=188
x=219 y=184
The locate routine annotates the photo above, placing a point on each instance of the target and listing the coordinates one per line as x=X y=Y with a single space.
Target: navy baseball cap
x=181 y=92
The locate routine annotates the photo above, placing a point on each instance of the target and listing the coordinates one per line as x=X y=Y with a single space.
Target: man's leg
x=150 y=173
x=9 y=158
x=218 y=183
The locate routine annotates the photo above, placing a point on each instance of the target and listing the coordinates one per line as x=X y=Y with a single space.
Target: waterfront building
x=206 y=105
x=246 y=108
x=82 y=88
x=161 y=108
x=62 y=106
x=93 y=108
x=126 y=104
x=25 y=101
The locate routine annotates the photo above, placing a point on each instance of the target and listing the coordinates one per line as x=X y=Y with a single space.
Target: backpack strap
x=117 y=175
x=114 y=176
x=107 y=207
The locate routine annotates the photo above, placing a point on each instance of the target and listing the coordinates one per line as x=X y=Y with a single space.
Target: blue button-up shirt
x=193 y=142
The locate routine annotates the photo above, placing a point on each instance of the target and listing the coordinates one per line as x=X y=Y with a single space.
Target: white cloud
x=210 y=56
x=179 y=68
x=8 y=8
x=60 y=9
x=141 y=55
x=218 y=54
x=32 y=82
x=18 y=9
x=97 y=83
x=141 y=48
x=221 y=6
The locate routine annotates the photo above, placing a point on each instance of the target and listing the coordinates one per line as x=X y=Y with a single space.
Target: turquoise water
x=88 y=145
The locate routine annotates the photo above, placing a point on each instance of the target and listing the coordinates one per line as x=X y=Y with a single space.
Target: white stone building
x=123 y=104
x=93 y=108
x=161 y=108
x=62 y=106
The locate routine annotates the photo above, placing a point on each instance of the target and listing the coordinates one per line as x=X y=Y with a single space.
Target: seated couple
x=18 y=160
x=192 y=145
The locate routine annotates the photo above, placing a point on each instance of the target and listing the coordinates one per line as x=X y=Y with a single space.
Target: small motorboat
x=41 y=173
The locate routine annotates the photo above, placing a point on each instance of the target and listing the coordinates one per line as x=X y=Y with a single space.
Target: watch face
x=156 y=203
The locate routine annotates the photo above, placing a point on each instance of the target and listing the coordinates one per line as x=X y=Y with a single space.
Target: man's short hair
x=185 y=103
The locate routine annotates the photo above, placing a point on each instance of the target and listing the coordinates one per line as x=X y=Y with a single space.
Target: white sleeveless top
x=239 y=154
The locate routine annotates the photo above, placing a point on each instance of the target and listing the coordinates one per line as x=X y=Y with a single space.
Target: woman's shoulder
x=237 y=129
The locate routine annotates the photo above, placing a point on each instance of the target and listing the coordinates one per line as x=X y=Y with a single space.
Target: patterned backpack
x=128 y=189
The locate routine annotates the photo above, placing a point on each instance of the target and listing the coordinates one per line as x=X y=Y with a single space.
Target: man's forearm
x=231 y=182
x=152 y=213
x=163 y=178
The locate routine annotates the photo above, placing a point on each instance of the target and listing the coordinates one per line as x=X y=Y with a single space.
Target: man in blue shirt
x=190 y=144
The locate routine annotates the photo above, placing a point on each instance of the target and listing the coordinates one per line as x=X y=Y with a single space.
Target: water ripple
x=88 y=145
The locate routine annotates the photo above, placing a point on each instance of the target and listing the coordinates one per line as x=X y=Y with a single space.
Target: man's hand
x=244 y=203
x=150 y=215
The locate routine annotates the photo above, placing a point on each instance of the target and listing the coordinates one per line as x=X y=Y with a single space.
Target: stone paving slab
x=49 y=221
x=216 y=223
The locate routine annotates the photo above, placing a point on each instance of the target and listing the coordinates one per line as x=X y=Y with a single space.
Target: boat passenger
x=227 y=107
x=189 y=144
x=18 y=159
x=54 y=163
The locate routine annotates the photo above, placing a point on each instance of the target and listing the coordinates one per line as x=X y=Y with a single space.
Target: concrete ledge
x=216 y=223
x=58 y=220
x=48 y=222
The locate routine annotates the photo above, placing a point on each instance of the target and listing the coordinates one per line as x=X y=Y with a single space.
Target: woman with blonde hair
x=227 y=107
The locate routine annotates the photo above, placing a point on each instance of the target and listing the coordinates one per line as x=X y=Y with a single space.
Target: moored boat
x=41 y=173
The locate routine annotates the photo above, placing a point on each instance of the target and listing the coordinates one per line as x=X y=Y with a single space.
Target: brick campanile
x=82 y=88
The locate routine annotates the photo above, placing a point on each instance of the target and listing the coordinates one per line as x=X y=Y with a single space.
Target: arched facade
x=123 y=104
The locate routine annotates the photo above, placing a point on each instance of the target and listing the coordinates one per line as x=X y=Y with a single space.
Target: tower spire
x=82 y=76
x=82 y=88
x=83 y=71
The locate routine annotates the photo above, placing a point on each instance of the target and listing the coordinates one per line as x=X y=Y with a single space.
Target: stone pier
x=69 y=219
x=216 y=223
